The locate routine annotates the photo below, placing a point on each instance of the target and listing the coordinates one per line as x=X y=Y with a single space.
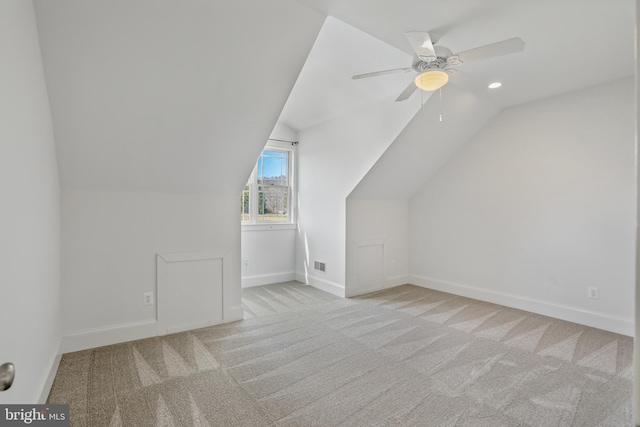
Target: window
x=266 y=199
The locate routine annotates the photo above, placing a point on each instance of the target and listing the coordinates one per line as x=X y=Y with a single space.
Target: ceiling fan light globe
x=432 y=80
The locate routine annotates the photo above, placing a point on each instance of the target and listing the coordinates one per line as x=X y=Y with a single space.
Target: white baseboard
x=98 y=337
x=46 y=389
x=322 y=284
x=267 y=279
x=397 y=281
x=362 y=291
x=571 y=314
x=390 y=282
x=233 y=314
x=192 y=326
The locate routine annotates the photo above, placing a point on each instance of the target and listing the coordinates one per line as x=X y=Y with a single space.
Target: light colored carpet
x=407 y=356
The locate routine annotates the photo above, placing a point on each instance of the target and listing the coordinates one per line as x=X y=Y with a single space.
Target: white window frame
x=253 y=224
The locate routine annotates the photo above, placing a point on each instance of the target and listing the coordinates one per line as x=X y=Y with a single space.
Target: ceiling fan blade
x=407 y=92
x=380 y=73
x=421 y=43
x=504 y=47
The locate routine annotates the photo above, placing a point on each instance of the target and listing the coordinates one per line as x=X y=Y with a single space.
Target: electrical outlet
x=148 y=298
x=592 y=292
x=245 y=263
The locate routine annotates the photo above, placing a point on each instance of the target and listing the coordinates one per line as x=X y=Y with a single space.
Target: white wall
x=332 y=158
x=157 y=131
x=283 y=132
x=29 y=211
x=539 y=206
x=268 y=253
x=270 y=256
x=426 y=144
x=378 y=206
x=109 y=247
x=376 y=227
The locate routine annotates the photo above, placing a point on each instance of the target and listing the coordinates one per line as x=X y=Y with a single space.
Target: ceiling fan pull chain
x=440 y=90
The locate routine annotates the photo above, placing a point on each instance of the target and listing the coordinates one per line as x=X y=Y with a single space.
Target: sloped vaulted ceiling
x=570 y=44
x=168 y=96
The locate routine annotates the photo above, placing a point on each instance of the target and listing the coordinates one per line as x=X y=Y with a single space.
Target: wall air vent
x=320 y=266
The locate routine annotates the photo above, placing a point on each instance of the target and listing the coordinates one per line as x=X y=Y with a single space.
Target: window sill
x=267 y=227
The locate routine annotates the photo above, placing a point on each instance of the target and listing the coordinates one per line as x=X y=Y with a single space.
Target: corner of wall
x=322 y=284
x=48 y=384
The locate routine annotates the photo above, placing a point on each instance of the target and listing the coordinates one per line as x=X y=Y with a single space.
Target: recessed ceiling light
x=495 y=85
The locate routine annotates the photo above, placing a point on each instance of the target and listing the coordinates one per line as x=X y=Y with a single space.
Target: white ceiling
x=325 y=90
x=570 y=44
x=168 y=96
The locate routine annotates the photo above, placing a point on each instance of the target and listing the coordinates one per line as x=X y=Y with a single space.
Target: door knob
x=7 y=373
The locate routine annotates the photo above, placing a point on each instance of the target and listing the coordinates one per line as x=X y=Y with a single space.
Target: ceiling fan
x=434 y=64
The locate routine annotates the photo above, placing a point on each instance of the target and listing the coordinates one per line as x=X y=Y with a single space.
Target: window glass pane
x=244 y=205
x=265 y=198
x=272 y=168
x=272 y=203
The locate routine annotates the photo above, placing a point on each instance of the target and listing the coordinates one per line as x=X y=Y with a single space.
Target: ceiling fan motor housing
x=444 y=59
x=434 y=64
